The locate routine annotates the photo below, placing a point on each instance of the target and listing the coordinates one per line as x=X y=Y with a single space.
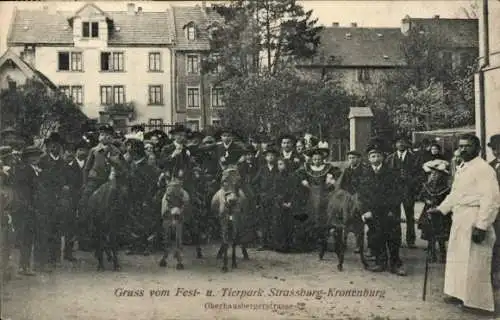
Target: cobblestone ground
x=77 y=291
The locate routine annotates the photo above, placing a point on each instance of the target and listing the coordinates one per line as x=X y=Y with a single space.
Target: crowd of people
x=46 y=192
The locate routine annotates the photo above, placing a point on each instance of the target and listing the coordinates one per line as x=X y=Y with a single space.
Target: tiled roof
x=27 y=69
x=202 y=20
x=359 y=47
x=455 y=33
x=54 y=28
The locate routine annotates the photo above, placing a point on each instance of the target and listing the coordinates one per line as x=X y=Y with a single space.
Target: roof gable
x=454 y=33
x=89 y=9
x=25 y=68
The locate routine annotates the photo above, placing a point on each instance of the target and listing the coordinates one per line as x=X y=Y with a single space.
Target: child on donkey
x=435 y=228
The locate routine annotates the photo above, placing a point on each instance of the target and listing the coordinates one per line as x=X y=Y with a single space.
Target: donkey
x=231 y=204
x=343 y=216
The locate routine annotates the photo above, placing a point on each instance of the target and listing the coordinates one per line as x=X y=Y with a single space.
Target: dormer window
x=90 y=29
x=190 y=31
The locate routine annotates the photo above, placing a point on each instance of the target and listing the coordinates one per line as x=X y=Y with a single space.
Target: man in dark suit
x=352 y=177
x=288 y=153
x=377 y=197
x=494 y=144
x=56 y=194
x=228 y=152
x=408 y=180
x=265 y=186
x=75 y=180
x=175 y=158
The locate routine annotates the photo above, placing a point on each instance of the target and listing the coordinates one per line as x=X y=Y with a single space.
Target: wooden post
x=360 y=127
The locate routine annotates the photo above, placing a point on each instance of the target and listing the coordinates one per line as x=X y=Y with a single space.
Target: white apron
x=474 y=200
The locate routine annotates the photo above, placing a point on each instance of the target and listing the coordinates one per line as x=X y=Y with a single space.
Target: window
x=75 y=93
x=191 y=32
x=217 y=96
x=192 y=63
x=12 y=84
x=112 y=95
x=90 y=29
x=154 y=61
x=112 y=61
x=364 y=75
x=194 y=125
x=155 y=124
x=70 y=61
x=216 y=122
x=447 y=60
x=216 y=57
x=193 y=97
x=155 y=95
x=66 y=90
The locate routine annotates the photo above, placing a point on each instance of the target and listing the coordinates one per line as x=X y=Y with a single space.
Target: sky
x=365 y=13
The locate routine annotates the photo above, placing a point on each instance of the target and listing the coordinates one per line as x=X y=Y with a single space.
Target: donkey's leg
x=323 y=244
x=361 y=235
x=340 y=241
x=234 y=265
x=244 y=252
x=178 y=245
x=113 y=244
x=99 y=247
x=166 y=243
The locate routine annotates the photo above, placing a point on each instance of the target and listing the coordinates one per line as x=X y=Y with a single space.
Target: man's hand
x=478 y=235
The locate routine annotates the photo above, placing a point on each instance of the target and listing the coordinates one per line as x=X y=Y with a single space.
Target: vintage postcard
x=249 y=159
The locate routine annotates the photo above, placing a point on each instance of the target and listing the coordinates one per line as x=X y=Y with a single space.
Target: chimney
x=436 y=16
x=354 y=24
x=204 y=5
x=130 y=9
x=139 y=10
x=335 y=24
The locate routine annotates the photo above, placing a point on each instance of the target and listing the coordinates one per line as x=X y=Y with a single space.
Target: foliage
x=286 y=101
x=278 y=30
x=36 y=111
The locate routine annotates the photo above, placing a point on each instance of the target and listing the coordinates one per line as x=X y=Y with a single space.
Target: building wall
x=135 y=78
x=205 y=114
x=349 y=77
x=491 y=75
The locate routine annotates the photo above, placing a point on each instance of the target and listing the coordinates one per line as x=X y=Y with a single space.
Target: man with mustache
x=475 y=201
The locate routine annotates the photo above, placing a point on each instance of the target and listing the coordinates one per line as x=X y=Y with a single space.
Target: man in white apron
x=474 y=200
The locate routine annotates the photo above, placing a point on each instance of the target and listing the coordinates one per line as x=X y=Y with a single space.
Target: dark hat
x=107 y=129
x=5 y=151
x=195 y=135
x=179 y=128
x=54 y=137
x=354 y=153
x=158 y=133
x=494 y=141
x=232 y=132
x=271 y=149
x=249 y=149
x=138 y=127
x=31 y=151
x=287 y=136
x=374 y=148
x=403 y=139
x=81 y=145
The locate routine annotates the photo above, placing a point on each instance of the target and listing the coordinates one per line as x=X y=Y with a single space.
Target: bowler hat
x=195 y=135
x=354 y=153
x=208 y=142
x=106 y=128
x=373 y=148
x=5 y=151
x=81 y=145
x=249 y=149
x=271 y=149
x=494 y=141
x=54 y=137
x=226 y=130
x=179 y=128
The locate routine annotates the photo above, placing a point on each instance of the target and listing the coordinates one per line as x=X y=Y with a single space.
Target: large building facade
x=116 y=65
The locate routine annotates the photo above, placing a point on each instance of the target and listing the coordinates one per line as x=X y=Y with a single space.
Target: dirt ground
x=77 y=291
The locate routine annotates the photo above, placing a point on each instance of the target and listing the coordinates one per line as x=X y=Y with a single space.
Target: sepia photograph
x=250 y=159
